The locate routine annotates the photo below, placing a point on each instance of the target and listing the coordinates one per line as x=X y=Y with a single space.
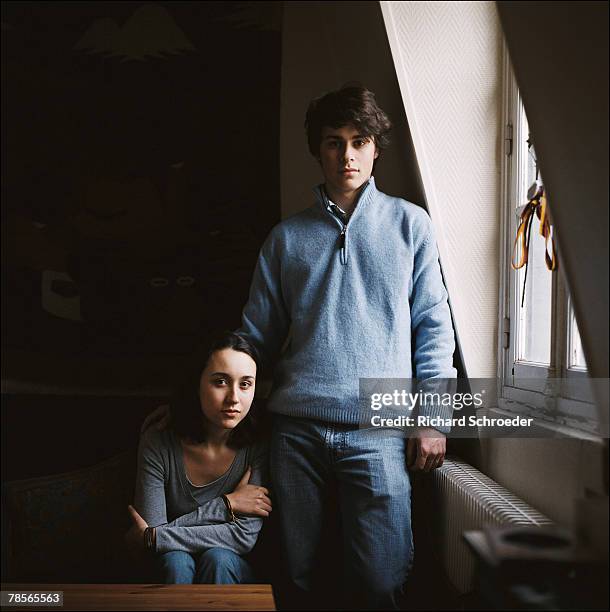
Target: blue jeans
x=368 y=474
x=214 y=566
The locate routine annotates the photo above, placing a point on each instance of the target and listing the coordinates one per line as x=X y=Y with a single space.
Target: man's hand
x=426 y=449
x=250 y=499
x=135 y=536
x=159 y=418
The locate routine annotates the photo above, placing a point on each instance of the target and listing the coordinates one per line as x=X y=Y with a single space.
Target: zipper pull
x=342 y=237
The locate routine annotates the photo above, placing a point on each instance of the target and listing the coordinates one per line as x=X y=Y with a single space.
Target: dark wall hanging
x=140 y=176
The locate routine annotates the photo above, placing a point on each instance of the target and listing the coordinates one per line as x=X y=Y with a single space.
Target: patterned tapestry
x=140 y=175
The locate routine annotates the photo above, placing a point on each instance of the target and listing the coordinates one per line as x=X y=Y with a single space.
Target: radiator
x=467 y=499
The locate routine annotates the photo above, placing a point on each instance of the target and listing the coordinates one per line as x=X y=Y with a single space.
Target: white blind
x=447 y=57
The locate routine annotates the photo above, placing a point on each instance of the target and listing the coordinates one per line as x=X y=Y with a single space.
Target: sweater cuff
x=436 y=416
x=435 y=407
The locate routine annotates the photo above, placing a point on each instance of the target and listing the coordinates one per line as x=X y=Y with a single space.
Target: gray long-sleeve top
x=188 y=517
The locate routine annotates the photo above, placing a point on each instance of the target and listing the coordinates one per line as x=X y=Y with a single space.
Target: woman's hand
x=159 y=418
x=250 y=499
x=135 y=536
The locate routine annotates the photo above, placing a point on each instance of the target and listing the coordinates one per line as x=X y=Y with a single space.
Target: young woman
x=200 y=499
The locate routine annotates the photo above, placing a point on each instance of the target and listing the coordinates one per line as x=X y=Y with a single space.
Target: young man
x=354 y=282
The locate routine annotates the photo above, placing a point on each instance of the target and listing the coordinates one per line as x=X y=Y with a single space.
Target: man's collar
x=323 y=199
x=338 y=212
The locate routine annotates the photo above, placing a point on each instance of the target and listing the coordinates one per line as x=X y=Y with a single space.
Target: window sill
x=550 y=427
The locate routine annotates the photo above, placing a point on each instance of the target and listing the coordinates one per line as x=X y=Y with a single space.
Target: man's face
x=346 y=157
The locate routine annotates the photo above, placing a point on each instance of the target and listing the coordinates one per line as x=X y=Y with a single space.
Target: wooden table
x=152 y=596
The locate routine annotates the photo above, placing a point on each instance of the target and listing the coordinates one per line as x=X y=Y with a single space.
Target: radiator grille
x=468 y=499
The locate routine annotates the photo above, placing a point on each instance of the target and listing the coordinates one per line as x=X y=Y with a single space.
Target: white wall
x=448 y=62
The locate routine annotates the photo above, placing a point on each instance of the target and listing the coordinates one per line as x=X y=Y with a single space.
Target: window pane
x=576 y=356
x=534 y=329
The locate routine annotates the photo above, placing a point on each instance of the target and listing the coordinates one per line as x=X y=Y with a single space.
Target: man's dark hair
x=187 y=417
x=351 y=104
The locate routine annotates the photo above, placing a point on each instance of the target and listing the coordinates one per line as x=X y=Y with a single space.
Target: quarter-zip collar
x=364 y=197
x=366 y=194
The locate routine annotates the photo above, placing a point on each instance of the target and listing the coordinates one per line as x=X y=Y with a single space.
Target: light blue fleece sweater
x=362 y=300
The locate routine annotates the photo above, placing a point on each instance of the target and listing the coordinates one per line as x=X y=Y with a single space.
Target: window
x=543 y=371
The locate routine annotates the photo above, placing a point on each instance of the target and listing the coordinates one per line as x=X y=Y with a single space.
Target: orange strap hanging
x=536 y=206
x=546 y=230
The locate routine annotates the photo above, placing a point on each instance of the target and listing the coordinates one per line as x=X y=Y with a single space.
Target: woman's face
x=226 y=388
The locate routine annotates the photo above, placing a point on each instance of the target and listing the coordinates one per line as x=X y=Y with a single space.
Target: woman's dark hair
x=351 y=104
x=187 y=418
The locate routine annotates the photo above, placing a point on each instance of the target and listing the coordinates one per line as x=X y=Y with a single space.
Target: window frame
x=544 y=392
